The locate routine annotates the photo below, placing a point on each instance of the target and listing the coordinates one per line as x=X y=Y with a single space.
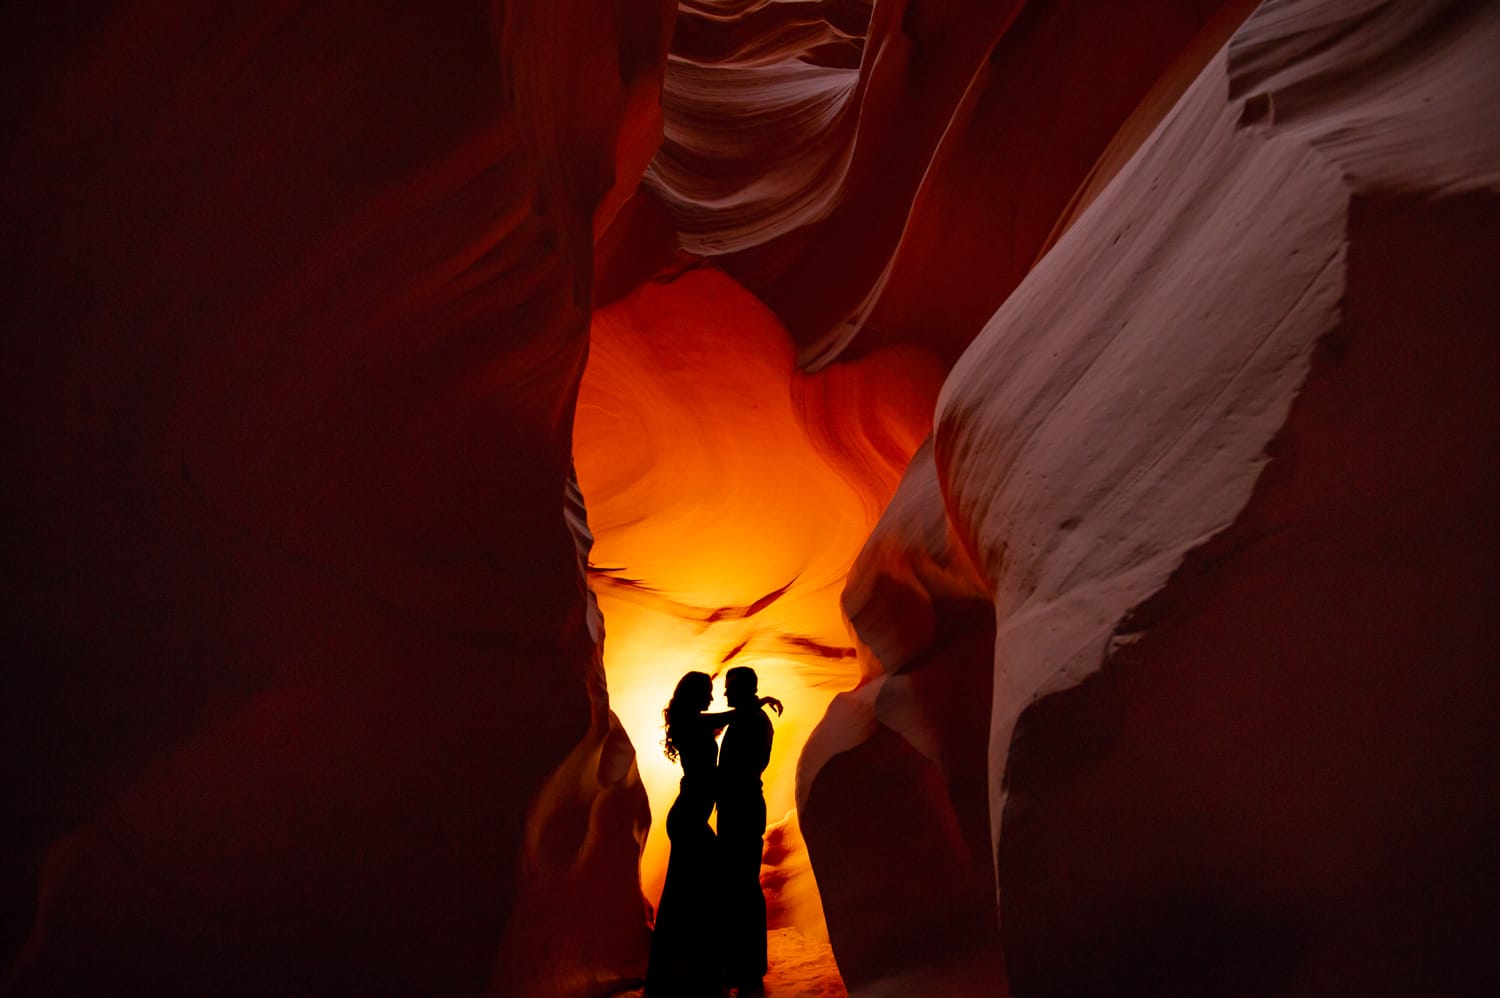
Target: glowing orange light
x=728 y=496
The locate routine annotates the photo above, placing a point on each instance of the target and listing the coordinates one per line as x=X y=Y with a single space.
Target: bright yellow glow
x=715 y=477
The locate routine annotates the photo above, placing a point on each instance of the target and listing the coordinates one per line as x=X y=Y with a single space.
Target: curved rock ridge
x=1059 y=88
x=756 y=139
x=894 y=779
x=862 y=139
x=765 y=32
x=1241 y=573
x=302 y=633
x=721 y=189
x=907 y=171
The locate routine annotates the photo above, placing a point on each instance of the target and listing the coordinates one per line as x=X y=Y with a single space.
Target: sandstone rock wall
x=302 y=644
x=1223 y=463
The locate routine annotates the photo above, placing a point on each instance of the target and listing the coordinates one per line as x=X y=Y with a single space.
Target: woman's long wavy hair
x=686 y=701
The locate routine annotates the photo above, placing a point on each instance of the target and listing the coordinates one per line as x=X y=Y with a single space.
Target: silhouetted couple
x=711 y=923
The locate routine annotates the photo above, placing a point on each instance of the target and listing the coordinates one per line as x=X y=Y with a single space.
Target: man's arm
x=719 y=718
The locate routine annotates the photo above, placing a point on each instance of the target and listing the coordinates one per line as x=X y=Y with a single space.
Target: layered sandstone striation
x=887 y=174
x=1223 y=463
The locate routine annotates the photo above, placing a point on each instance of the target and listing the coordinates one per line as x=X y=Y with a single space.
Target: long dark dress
x=684 y=944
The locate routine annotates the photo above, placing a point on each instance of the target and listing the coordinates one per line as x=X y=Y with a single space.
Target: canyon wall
x=305 y=693
x=1222 y=469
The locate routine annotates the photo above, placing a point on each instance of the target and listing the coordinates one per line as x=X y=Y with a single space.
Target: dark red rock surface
x=298 y=308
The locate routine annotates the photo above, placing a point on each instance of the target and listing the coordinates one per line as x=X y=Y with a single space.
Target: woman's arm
x=720 y=718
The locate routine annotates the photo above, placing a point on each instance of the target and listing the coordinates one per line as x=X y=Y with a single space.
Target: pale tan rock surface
x=1224 y=460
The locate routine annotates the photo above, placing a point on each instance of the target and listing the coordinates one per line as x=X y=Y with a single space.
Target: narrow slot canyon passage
x=1080 y=414
x=728 y=495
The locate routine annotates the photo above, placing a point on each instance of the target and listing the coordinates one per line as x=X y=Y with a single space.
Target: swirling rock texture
x=1221 y=463
x=1165 y=665
x=1243 y=571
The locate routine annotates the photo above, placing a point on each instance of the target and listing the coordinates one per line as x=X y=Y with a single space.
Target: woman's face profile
x=696 y=691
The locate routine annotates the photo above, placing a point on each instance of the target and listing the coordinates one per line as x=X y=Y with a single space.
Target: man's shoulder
x=753 y=716
x=749 y=717
x=759 y=720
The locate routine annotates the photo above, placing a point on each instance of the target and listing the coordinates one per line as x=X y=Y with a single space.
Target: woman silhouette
x=684 y=944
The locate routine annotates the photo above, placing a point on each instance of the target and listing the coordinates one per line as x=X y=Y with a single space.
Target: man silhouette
x=742 y=827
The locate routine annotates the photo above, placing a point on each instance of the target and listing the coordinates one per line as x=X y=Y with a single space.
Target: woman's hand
x=773 y=703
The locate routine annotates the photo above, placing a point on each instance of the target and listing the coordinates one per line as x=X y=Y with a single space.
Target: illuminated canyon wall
x=723 y=527
x=1080 y=414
